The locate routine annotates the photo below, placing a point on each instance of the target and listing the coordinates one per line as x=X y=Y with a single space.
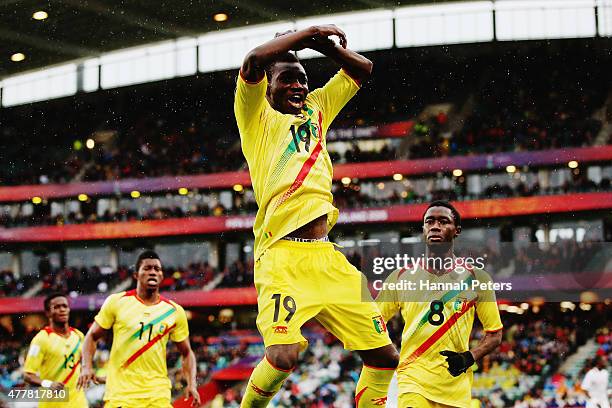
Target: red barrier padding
x=382 y=169
x=476 y=209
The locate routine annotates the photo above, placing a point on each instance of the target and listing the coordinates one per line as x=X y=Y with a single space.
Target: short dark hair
x=286 y=57
x=444 y=203
x=50 y=297
x=148 y=254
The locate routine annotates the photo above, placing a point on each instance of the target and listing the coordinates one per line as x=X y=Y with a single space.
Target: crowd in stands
x=85 y=280
x=352 y=196
x=148 y=132
x=565 y=255
x=518 y=373
x=544 y=111
x=345 y=196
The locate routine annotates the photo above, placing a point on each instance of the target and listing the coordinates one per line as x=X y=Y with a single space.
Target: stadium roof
x=85 y=28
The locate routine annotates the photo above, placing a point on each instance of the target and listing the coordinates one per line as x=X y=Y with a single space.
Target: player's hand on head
x=283 y=33
x=320 y=44
x=329 y=30
x=191 y=391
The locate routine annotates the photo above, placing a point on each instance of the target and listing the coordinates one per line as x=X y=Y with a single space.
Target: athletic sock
x=372 y=387
x=264 y=383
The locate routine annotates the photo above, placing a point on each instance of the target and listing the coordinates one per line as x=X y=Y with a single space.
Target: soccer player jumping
x=142 y=321
x=298 y=273
x=435 y=369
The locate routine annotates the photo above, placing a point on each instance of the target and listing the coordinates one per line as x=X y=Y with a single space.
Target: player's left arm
x=488 y=314
x=487 y=344
x=189 y=371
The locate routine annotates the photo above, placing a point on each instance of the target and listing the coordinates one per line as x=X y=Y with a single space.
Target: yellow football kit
x=438 y=313
x=57 y=358
x=291 y=172
x=137 y=375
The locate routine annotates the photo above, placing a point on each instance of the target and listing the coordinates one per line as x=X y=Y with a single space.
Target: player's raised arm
x=189 y=371
x=356 y=65
x=95 y=333
x=256 y=61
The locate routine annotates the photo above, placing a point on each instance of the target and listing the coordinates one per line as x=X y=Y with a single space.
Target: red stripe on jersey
x=71 y=372
x=436 y=336
x=359 y=395
x=147 y=346
x=306 y=167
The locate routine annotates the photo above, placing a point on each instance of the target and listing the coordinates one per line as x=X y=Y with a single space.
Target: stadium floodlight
x=18 y=57
x=40 y=15
x=220 y=17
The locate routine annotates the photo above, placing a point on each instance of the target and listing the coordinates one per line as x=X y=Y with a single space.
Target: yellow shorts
x=298 y=281
x=76 y=400
x=414 y=400
x=140 y=403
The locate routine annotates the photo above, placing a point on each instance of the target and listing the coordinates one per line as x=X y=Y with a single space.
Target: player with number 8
x=435 y=369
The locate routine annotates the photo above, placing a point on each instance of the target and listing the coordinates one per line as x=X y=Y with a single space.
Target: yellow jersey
x=438 y=313
x=57 y=358
x=290 y=168
x=136 y=368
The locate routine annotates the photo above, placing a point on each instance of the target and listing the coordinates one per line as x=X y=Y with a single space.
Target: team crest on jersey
x=280 y=329
x=162 y=327
x=379 y=324
x=458 y=305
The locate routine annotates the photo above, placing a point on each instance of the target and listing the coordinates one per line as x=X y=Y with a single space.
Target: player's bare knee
x=283 y=356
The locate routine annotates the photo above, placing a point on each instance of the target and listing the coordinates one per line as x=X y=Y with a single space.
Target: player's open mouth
x=436 y=238
x=152 y=281
x=296 y=101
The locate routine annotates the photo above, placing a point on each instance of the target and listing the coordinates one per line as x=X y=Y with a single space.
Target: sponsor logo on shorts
x=379 y=324
x=379 y=401
x=280 y=329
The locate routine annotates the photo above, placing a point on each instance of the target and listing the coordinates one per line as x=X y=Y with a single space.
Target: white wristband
x=46 y=383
